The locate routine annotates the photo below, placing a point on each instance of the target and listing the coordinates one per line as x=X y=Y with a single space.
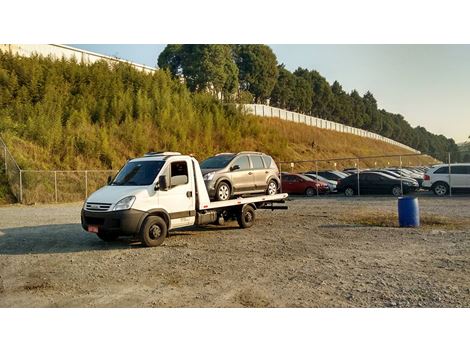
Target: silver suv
x=230 y=174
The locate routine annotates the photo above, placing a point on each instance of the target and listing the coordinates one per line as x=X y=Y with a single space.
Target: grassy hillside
x=64 y=115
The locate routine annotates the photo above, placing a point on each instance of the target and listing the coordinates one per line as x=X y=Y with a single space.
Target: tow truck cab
x=160 y=192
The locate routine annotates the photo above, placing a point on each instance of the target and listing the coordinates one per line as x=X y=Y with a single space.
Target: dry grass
x=390 y=219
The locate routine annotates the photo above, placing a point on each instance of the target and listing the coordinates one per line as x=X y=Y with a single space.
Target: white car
x=331 y=184
x=440 y=180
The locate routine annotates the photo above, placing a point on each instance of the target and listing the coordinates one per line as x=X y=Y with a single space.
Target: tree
x=204 y=67
x=284 y=88
x=258 y=70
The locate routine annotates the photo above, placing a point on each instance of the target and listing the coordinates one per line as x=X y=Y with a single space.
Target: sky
x=428 y=84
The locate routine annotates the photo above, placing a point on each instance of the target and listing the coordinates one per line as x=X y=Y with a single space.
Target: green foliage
x=257 y=65
x=204 y=67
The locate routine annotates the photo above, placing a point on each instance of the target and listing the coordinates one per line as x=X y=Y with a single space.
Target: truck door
x=179 y=200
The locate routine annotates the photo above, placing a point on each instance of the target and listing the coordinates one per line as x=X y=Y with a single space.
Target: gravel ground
x=312 y=255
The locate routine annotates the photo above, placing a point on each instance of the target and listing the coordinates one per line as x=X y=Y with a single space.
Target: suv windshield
x=138 y=173
x=217 y=162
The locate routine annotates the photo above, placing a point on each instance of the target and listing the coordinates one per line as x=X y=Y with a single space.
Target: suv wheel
x=440 y=189
x=272 y=188
x=223 y=191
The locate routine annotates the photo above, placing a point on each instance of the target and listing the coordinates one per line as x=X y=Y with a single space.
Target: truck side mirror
x=162 y=183
x=235 y=167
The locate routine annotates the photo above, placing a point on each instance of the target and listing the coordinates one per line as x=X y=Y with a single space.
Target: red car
x=300 y=184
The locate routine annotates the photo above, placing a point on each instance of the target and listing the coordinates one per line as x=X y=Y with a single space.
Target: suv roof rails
x=161 y=153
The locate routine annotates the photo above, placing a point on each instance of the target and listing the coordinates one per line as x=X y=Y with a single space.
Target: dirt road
x=312 y=255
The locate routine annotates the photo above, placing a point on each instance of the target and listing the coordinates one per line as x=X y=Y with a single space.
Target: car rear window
x=442 y=170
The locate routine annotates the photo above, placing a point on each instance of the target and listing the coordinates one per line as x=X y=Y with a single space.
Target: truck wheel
x=108 y=236
x=153 y=231
x=246 y=217
x=223 y=191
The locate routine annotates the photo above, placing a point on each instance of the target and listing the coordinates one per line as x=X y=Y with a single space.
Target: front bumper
x=210 y=186
x=125 y=222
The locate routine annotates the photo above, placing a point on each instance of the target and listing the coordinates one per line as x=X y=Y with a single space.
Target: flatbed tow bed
x=176 y=198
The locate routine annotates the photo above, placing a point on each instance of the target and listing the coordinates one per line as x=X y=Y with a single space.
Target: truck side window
x=179 y=168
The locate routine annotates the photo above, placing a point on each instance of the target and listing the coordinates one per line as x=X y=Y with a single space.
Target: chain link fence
x=41 y=186
x=350 y=165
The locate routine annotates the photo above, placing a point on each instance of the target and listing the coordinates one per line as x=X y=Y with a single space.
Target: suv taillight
x=426 y=178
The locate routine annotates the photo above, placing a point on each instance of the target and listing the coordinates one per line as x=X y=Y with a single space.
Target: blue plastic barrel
x=408 y=212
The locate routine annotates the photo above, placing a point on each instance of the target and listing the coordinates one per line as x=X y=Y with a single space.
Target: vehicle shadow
x=64 y=238
x=71 y=238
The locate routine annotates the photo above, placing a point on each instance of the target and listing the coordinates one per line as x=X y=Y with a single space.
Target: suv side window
x=243 y=162
x=257 y=162
x=267 y=161
x=442 y=170
x=458 y=170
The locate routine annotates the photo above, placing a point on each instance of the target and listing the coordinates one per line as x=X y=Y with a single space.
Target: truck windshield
x=217 y=162
x=138 y=173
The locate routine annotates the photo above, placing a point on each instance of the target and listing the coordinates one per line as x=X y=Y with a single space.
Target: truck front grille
x=97 y=206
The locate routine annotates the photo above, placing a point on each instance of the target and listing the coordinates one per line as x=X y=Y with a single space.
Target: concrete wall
x=269 y=111
x=62 y=51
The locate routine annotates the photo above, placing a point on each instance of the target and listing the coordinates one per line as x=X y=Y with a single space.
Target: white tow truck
x=163 y=191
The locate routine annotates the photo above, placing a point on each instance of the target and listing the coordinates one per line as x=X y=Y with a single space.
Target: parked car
x=397 y=175
x=437 y=178
x=300 y=184
x=230 y=174
x=331 y=184
x=331 y=174
x=407 y=173
x=374 y=183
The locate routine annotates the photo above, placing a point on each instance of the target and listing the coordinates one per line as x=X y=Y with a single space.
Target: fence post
x=450 y=178
x=401 y=177
x=358 y=182
x=55 y=185
x=21 y=186
x=316 y=172
x=86 y=184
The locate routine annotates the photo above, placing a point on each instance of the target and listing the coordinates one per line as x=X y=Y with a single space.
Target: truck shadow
x=71 y=238
x=64 y=238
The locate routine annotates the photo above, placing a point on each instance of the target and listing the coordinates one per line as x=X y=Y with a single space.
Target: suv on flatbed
x=229 y=174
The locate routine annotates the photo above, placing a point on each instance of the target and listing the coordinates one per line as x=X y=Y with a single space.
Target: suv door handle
x=189 y=194
x=266 y=172
x=250 y=173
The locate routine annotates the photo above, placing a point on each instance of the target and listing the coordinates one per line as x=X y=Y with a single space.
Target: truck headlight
x=209 y=176
x=124 y=203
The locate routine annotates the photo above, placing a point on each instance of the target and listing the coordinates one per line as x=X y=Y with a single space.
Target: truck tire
x=246 y=217
x=153 y=231
x=223 y=191
x=108 y=236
